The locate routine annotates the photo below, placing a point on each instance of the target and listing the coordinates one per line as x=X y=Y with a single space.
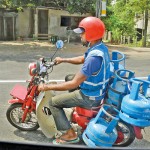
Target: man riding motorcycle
x=92 y=79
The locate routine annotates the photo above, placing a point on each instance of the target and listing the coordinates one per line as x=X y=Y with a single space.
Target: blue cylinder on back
x=135 y=107
x=100 y=131
x=117 y=62
x=119 y=87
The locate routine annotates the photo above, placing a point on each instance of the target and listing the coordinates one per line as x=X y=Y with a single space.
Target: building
x=140 y=27
x=40 y=23
x=7 y=24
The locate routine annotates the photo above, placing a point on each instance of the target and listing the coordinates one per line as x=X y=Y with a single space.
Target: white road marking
x=15 y=81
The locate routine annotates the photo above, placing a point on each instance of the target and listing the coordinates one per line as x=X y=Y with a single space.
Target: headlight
x=34 y=68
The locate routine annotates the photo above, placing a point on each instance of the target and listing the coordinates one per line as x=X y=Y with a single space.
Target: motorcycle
x=29 y=109
x=22 y=111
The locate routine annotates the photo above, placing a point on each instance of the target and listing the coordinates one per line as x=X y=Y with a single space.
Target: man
x=92 y=79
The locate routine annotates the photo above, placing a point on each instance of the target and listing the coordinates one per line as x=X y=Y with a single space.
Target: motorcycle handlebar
x=51 y=64
x=47 y=63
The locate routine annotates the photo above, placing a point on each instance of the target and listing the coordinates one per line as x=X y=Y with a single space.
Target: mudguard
x=44 y=117
x=16 y=100
x=19 y=92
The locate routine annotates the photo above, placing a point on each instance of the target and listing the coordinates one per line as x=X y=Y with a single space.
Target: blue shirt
x=95 y=85
x=91 y=65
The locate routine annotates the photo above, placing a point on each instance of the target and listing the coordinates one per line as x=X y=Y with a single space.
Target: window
x=65 y=21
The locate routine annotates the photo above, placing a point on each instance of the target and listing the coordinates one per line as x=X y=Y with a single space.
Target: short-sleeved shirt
x=91 y=65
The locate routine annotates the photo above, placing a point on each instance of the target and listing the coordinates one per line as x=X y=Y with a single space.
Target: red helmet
x=94 y=28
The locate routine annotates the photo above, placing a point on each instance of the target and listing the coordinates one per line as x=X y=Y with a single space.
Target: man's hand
x=41 y=87
x=58 y=60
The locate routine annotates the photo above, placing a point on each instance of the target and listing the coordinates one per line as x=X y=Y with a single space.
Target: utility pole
x=98 y=8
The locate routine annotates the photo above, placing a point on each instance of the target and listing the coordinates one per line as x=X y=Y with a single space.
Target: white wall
x=23 y=25
x=55 y=22
x=140 y=24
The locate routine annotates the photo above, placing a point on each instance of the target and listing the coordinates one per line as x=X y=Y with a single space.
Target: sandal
x=63 y=141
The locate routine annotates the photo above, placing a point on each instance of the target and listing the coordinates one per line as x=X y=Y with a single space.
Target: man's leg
x=57 y=103
x=67 y=100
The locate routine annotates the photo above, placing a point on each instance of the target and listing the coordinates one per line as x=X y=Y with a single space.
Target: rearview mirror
x=59 y=44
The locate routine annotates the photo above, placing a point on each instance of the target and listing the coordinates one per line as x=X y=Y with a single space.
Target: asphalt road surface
x=14 y=60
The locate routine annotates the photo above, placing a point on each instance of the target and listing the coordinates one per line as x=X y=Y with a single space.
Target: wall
x=140 y=25
x=23 y=23
x=26 y=23
x=54 y=22
x=1 y=26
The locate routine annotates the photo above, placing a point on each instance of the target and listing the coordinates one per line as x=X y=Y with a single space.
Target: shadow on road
x=34 y=136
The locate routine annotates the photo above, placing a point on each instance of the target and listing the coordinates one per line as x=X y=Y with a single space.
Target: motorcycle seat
x=87 y=112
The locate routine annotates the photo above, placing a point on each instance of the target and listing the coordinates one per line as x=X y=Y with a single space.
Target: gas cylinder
x=119 y=87
x=148 y=90
x=117 y=61
x=135 y=107
x=101 y=131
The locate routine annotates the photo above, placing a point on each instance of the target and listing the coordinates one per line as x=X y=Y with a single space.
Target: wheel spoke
x=127 y=134
x=15 y=116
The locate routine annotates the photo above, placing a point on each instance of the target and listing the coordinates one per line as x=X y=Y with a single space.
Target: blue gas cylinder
x=119 y=87
x=148 y=90
x=135 y=107
x=117 y=62
x=101 y=131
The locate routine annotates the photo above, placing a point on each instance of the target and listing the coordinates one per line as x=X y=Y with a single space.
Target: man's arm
x=77 y=80
x=74 y=60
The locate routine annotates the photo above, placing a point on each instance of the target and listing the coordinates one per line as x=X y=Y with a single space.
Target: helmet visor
x=79 y=30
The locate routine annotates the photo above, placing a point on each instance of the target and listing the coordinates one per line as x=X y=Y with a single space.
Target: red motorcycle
x=29 y=109
x=22 y=111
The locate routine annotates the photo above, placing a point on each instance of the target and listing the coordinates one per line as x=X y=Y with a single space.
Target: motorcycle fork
x=27 y=106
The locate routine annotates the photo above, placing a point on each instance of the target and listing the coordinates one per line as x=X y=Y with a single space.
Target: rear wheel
x=14 y=116
x=126 y=134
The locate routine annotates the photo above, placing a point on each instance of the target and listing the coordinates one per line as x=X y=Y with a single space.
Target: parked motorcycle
x=29 y=109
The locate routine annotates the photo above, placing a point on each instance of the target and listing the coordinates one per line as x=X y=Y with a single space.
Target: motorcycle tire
x=126 y=134
x=14 y=116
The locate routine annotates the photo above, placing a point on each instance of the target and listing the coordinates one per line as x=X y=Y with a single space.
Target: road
x=14 y=60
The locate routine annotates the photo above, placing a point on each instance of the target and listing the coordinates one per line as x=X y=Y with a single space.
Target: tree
x=136 y=7
x=81 y=6
x=73 y=6
x=18 y=4
x=120 y=17
x=142 y=7
x=120 y=20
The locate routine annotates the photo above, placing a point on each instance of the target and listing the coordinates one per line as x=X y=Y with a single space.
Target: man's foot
x=63 y=141
x=69 y=137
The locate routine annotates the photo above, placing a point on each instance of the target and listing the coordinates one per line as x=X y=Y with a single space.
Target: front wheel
x=14 y=116
x=126 y=134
